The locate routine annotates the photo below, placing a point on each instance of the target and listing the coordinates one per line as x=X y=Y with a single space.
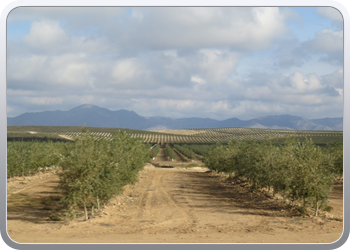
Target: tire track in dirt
x=162 y=155
x=158 y=210
x=174 y=205
x=181 y=214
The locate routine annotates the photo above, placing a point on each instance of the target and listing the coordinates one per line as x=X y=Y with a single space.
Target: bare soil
x=66 y=137
x=179 y=131
x=168 y=205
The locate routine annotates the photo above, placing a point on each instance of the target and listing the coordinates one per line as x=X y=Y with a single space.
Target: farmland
x=185 y=193
x=201 y=136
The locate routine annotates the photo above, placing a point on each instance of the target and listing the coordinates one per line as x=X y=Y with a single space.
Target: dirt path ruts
x=162 y=155
x=175 y=205
x=181 y=156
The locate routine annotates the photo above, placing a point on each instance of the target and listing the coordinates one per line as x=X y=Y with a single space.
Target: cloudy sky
x=220 y=63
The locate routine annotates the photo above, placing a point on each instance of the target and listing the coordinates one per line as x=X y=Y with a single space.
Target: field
x=203 y=136
x=177 y=198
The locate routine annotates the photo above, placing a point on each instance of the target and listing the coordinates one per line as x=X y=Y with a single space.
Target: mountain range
x=94 y=116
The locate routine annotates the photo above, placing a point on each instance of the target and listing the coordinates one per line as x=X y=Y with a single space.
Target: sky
x=208 y=62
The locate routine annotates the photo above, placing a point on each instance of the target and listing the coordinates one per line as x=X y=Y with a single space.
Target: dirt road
x=169 y=205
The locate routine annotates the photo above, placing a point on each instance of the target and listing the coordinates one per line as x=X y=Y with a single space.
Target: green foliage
x=171 y=153
x=336 y=149
x=310 y=173
x=27 y=157
x=200 y=149
x=93 y=171
x=301 y=172
x=154 y=151
x=26 y=136
x=220 y=159
x=185 y=151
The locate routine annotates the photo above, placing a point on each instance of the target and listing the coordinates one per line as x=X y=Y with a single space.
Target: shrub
x=93 y=171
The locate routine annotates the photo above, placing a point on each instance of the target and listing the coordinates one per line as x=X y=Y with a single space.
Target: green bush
x=93 y=171
x=185 y=151
x=154 y=151
x=300 y=172
x=171 y=153
x=200 y=149
x=27 y=157
x=336 y=150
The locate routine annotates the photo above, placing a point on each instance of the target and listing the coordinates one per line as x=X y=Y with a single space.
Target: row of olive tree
x=93 y=171
x=336 y=149
x=200 y=149
x=185 y=151
x=154 y=151
x=28 y=157
x=171 y=153
x=301 y=172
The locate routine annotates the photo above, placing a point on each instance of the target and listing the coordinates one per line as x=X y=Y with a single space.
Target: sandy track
x=179 y=131
x=172 y=206
x=66 y=137
x=162 y=155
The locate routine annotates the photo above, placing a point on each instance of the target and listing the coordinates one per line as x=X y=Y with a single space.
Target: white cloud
x=187 y=27
x=45 y=34
x=258 y=92
x=171 y=53
x=46 y=100
x=80 y=15
x=70 y=69
x=49 y=38
x=336 y=80
x=197 y=79
x=326 y=47
x=327 y=42
x=294 y=89
x=25 y=68
x=216 y=65
x=43 y=72
x=178 y=62
x=303 y=83
x=331 y=13
x=125 y=71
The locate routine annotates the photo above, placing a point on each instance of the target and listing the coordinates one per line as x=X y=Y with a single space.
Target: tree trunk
x=85 y=211
x=316 y=209
x=98 y=204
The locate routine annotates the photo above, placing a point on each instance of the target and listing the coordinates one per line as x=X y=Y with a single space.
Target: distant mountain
x=94 y=116
x=332 y=123
x=87 y=114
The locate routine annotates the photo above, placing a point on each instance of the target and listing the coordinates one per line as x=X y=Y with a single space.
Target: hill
x=94 y=116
